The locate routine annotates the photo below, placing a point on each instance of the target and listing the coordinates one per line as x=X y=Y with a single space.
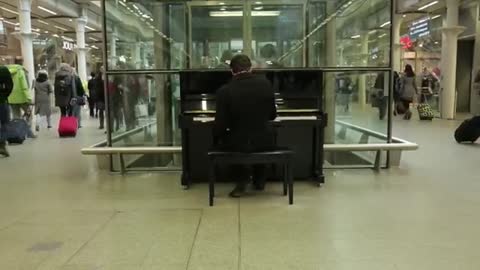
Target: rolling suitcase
x=468 y=131
x=68 y=126
x=425 y=111
x=17 y=131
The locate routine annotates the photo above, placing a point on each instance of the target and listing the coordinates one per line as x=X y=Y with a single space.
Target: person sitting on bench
x=244 y=106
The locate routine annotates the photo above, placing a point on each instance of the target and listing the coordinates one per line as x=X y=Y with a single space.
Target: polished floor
x=58 y=213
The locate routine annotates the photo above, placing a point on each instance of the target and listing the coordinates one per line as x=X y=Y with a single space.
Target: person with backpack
x=43 y=90
x=6 y=86
x=68 y=90
x=20 y=99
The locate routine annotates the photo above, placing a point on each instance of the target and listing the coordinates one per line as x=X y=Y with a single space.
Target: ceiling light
x=46 y=32
x=258 y=2
x=372 y=32
x=9 y=10
x=435 y=17
x=61 y=28
x=70 y=20
x=355 y=36
x=222 y=3
x=67 y=38
x=382 y=35
x=11 y=23
x=272 y=13
x=89 y=28
x=428 y=5
x=40 y=21
x=223 y=9
x=94 y=39
x=385 y=24
x=403 y=16
x=258 y=8
x=55 y=35
x=123 y=4
x=47 y=10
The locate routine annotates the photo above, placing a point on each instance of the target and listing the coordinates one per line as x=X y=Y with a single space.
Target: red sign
x=406 y=42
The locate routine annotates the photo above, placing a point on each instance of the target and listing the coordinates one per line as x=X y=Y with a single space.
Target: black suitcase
x=17 y=131
x=468 y=131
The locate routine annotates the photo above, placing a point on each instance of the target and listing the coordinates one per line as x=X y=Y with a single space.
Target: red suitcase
x=68 y=126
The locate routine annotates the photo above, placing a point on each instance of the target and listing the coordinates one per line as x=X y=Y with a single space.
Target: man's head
x=240 y=64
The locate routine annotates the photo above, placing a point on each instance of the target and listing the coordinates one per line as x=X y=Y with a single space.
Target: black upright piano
x=299 y=125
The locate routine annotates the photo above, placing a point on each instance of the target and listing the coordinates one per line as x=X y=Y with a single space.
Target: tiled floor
x=58 y=213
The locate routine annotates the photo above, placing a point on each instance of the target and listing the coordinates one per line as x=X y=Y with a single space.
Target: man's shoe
x=37 y=128
x=4 y=151
x=237 y=192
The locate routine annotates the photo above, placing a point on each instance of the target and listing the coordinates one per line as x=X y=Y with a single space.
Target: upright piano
x=299 y=125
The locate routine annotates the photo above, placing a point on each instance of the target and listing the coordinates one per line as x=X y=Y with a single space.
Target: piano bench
x=283 y=157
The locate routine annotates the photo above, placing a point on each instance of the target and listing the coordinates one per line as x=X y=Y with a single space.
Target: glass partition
x=176 y=35
x=148 y=42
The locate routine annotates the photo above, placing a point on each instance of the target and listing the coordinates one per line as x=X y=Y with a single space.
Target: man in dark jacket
x=6 y=86
x=244 y=108
x=92 y=96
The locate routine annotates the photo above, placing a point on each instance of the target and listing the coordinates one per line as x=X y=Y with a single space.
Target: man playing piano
x=244 y=108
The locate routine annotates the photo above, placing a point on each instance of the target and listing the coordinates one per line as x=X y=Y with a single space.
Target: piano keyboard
x=278 y=119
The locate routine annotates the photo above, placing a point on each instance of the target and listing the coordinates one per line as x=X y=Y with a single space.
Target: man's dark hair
x=240 y=63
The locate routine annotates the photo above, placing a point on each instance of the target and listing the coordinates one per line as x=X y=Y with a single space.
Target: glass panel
x=217 y=33
x=357 y=107
x=273 y=46
x=144 y=109
x=361 y=30
x=145 y=35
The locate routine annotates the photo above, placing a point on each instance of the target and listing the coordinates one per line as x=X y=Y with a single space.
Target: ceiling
x=57 y=17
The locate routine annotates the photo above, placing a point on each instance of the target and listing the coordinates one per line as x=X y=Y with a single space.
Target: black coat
x=244 y=108
x=6 y=84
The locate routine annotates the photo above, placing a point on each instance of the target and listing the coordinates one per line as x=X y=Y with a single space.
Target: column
x=331 y=53
x=449 y=60
x=81 y=49
x=137 y=54
x=26 y=37
x=113 y=50
x=397 y=47
x=362 y=79
x=163 y=104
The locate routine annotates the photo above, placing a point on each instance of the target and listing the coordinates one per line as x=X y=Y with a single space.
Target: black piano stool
x=283 y=157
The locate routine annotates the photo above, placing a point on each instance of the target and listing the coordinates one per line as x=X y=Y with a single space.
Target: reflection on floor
x=58 y=213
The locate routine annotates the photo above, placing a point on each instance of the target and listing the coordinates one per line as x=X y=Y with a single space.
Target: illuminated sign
x=406 y=42
x=420 y=28
x=69 y=46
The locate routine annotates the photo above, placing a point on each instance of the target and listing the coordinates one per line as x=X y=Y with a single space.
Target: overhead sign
x=420 y=28
x=406 y=42
x=69 y=46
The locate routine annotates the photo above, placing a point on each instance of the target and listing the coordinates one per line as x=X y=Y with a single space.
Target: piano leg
x=185 y=181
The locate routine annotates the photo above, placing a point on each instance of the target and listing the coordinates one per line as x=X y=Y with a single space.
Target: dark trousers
x=4 y=119
x=66 y=111
x=92 y=107
x=261 y=141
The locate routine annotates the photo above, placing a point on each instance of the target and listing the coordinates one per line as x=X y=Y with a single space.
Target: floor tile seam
x=94 y=234
x=239 y=263
x=16 y=221
x=192 y=247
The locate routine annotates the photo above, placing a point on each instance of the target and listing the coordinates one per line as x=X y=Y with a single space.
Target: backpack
x=64 y=84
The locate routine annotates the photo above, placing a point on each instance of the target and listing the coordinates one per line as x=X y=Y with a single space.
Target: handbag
x=141 y=110
x=76 y=100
